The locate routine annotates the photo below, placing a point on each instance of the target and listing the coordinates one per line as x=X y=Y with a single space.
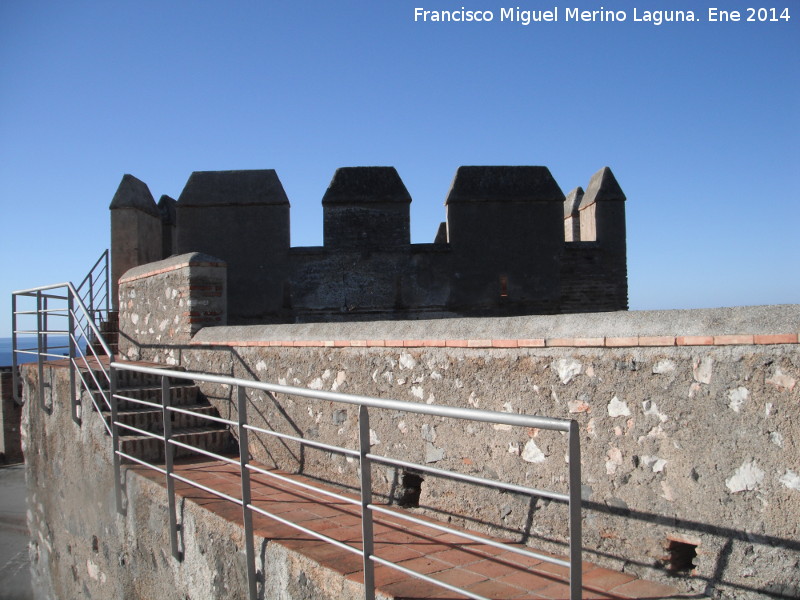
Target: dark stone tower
x=135 y=230
x=241 y=217
x=506 y=232
x=366 y=208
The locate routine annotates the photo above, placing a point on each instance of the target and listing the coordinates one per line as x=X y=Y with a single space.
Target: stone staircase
x=191 y=429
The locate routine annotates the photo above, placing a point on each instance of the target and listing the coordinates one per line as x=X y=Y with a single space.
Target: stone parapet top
x=608 y=342
x=747 y=325
x=173 y=263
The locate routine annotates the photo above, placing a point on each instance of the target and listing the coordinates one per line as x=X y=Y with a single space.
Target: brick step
x=219 y=441
x=130 y=379
x=152 y=419
x=181 y=395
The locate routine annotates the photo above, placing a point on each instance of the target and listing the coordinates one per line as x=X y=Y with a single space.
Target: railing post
x=247 y=514
x=366 y=500
x=91 y=298
x=14 y=364
x=105 y=283
x=575 y=538
x=170 y=466
x=112 y=392
x=75 y=397
x=39 y=341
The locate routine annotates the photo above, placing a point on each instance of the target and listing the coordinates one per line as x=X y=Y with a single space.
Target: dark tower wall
x=241 y=217
x=366 y=208
x=135 y=230
x=506 y=233
x=512 y=244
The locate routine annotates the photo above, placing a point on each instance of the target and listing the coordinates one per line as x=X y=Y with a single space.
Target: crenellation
x=504 y=248
x=572 y=218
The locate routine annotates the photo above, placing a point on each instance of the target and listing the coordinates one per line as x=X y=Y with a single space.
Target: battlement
x=512 y=244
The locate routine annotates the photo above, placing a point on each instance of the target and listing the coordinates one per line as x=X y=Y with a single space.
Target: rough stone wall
x=165 y=303
x=82 y=547
x=686 y=448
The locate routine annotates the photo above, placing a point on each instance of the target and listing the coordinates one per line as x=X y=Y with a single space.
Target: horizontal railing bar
x=418 y=575
x=32 y=291
x=183 y=411
x=471 y=414
x=47 y=354
x=310 y=532
x=143 y=432
x=304 y=441
x=305 y=485
x=141 y=462
x=470 y=478
x=58 y=312
x=469 y=536
x=138 y=401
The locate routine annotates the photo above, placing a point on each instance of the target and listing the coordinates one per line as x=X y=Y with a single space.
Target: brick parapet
x=600 y=342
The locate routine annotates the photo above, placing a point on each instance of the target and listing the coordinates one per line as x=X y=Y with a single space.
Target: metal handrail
x=573 y=497
x=82 y=324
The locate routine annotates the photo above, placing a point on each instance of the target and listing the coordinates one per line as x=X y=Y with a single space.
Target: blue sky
x=699 y=122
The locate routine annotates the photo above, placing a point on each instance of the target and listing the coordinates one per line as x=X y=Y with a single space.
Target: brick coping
x=443 y=556
x=589 y=342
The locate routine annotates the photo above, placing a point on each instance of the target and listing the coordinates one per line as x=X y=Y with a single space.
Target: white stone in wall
x=432 y=453
x=407 y=361
x=618 y=408
x=663 y=366
x=782 y=380
x=567 y=369
x=702 y=369
x=655 y=463
x=374 y=440
x=614 y=460
x=747 y=477
x=340 y=378
x=578 y=406
x=791 y=480
x=776 y=438
x=316 y=384
x=532 y=454
x=417 y=392
x=428 y=433
x=737 y=398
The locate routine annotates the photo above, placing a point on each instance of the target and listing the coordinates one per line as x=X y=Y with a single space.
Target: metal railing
x=60 y=311
x=366 y=459
x=79 y=311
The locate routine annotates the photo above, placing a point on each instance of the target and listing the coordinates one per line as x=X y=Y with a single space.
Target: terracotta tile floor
x=480 y=569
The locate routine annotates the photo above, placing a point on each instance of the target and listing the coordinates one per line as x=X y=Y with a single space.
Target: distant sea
x=56 y=343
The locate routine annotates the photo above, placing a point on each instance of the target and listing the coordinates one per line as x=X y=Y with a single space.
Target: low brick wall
x=166 y=302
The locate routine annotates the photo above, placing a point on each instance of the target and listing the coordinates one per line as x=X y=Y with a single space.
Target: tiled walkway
x=481 y=569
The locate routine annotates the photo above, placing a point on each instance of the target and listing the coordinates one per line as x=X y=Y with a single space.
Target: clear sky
x=698 y=120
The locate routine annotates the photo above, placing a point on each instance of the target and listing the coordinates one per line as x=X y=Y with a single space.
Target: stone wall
x=81 y=547
x=689 y=423
x=10 y=416
x=502 y=251
x=165 y=303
